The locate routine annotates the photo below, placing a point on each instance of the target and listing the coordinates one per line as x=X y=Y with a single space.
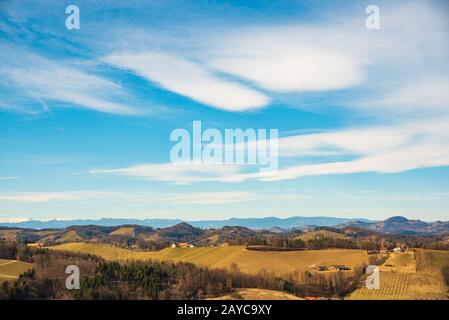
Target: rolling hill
x=132 y=234
x=317 y=234
x=248 y=261
x=403 y=226
x=408 y=276
x=11 y=269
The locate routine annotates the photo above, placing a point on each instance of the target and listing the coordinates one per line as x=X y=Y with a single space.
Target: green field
x=11 y=269
x=248 y=261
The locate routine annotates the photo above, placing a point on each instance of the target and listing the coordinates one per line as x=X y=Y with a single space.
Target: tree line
x=160 y=280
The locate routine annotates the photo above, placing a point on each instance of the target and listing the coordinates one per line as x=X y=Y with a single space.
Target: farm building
x=323 y=268
x=35 y=245
x=173 y=245
x=184 y=245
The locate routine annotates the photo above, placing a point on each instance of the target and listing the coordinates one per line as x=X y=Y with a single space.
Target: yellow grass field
x=400 y=262
x=402 y=278
x=320 y=234
x=257 y=294
x=248 y=261
x=11 y=269
x=124 y=231
x=70 y=235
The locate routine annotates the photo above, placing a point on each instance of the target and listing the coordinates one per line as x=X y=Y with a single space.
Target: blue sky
x=86 y=115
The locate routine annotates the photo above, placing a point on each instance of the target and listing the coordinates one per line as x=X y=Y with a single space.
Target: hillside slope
x=11 y=269
x=409 y=276
x=248 y=261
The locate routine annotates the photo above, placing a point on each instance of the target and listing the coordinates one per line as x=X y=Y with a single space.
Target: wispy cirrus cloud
x=43 y=81
x=52 y=196
x=249 y=67
x=381 y=149
x=427 y=95
x=175 y=172
x=211 y=197
x=190 y=79
x=395 y=71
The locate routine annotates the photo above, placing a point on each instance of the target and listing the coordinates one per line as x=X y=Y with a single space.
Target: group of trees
x=156 y=280
x=366 y=242
x=165 y=280
x=13 y=251
x=47 y=278
x=318 y=243
x=153 y=280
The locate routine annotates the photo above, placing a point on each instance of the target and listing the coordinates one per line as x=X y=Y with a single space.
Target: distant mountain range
x=403 y=226
x=252 y=223
x=393 y=225
x=206 y=233
x=127 y=235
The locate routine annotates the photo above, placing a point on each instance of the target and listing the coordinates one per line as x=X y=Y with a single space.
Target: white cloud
x=9 y=178
x=382 y=149
x=429 y=94
x=53 y=196
x=283 y=59
x=68 y=85
x=324 y=56
x=190 y=79
x=175 y=172
x=43 y=80
x=193 y=198
x=388 y=149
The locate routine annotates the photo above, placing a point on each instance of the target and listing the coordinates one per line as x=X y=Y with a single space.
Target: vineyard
x=248 y=261
x=393 y=286
x=407 y=276
x=11 y=269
